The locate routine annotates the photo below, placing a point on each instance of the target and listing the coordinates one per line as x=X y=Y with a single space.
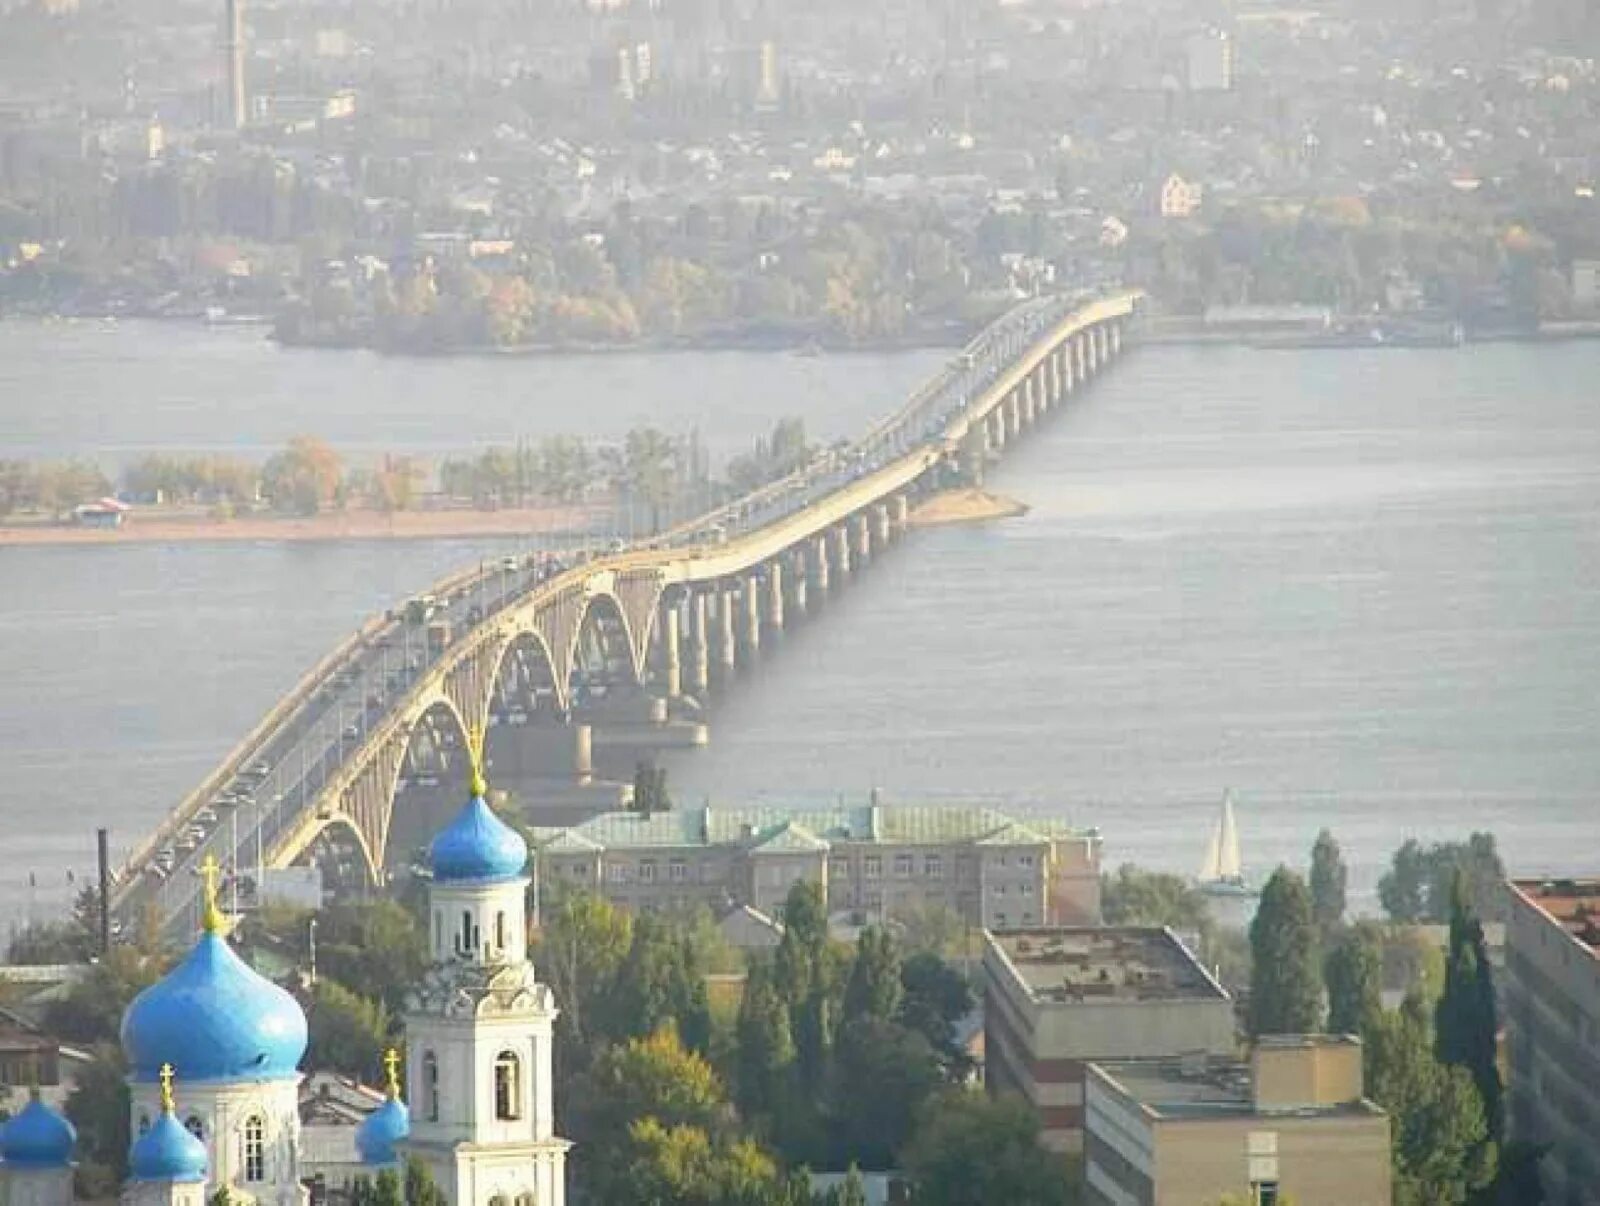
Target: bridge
x=542 y=653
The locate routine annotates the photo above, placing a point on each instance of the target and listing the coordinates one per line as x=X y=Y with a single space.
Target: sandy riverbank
x=965 y=506
x=339 y=525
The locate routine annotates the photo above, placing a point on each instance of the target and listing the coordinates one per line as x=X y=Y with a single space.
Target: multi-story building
x=1055 y=999
x=1551 y=999
x=1292 y=1124
x=875 y=860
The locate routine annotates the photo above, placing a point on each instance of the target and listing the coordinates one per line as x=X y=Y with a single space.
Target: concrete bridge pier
x=881 y=532
x=1029 y=403
x=1116 y=338
x=727 y=650
x=899 y=513
x=1079 y=357
x=752 y=613
x=699 y=651
x=671 y=651
x=996 y=422
x=774 y=615
x=797 y=580
x=841 y=549
x=1092 y=339
x=861 y=530
x=819 y=566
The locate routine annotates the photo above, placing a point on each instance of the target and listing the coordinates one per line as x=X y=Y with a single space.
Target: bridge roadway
x=544 y=641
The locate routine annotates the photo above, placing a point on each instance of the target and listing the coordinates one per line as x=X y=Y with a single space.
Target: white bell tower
x=480 y=1027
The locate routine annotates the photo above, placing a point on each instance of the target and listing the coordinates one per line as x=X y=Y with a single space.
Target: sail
x=1229 y=863
x=1211 y=869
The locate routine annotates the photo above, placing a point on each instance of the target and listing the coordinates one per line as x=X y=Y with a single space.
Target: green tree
x=1286 y=989
x=348 y=1032
x=764 y=1054
x=970 y=1148
x=1465 y=1018
x=1441 y=1149
x=305 y=477
x=421 y=1189
x=1329 y=880
x=659 y=984
x=1353 y=970
x=934 y=998
x=1419 y=883
x=1136 y=897
x=873 y=989
x=91 y=1011
x=803 y=970
x=654 y=1077
x=884 y=1075
x=388 y=1191
x=99 y=1107
x=581 y=949
x=852 y=1191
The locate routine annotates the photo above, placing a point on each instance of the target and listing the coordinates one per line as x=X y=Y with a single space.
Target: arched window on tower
x=430 y=1085
x=144 y=1123
x=464 y=943
x=507 y=1087
x=255 y=1149
x=194 y=1126
x=500 y=932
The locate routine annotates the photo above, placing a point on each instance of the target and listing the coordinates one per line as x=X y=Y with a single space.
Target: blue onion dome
x=213 y=1018
x=477 y=846
x=37 y=1137
x=167 y=1152
x=381 y=1130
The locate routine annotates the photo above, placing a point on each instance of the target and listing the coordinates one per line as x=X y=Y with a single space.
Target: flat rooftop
x=1193 y=1088
x=1085 y=964
x=1573 y=904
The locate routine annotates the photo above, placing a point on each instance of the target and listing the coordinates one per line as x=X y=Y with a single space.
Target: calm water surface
x=1360 y=588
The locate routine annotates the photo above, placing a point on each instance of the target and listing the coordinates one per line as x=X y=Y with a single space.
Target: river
x=1360 y=588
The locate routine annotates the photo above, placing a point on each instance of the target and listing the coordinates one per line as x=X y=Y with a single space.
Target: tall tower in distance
x=233 y=61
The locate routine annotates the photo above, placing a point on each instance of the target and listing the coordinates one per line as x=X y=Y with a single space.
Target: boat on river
x=1222 y=873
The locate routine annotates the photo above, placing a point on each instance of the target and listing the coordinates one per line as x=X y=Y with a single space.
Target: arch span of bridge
x=668 y=618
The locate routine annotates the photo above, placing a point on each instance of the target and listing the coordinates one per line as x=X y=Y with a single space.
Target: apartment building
x=1056 y=999
x=874 y=861
x=1292 y=1124
x=1550 y=999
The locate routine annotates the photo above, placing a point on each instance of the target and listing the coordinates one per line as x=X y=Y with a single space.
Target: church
x=214 y=1053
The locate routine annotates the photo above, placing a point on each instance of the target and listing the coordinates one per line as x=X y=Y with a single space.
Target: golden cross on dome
x=210 y=915
x=166 y=1088
x=477 y=785
x=391 y=1066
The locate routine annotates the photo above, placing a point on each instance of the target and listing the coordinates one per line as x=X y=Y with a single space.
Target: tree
x=852 y=1191
x=421 y=1189
x=1419 y=883
x=581 y=949
x=305 y=477
x=99 y=1108
x=803 y=971
x=873 y=990
x=884 y=1075
x=1403 y=888
x=654 y=1077
x=1286 y=991
x=1464 y=1020
x=934 y=998
x=1441 y=1149
x=1137 y=897
x=658 y=984
x=1353 y=970
x=1329 y=879
x=764 y=1054
x=347 y=1032
x=91 y=1011
x=971 y=1148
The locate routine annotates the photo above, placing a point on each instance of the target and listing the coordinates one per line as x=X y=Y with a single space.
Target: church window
x=500 y=935
x=255 y=1148
x=438 y=929
x=507 y=1087
x=144 y=1123
x=194 y=1126
x=524 y=1198
x=465 y=943
x=430 y=1085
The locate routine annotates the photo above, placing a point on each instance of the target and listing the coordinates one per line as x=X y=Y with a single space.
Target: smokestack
x=102 y=838
x=233 y=50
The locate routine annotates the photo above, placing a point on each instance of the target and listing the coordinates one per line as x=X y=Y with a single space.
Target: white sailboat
x=1222 y=874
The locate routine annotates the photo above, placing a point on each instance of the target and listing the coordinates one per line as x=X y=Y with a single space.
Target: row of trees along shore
x=686 y=1085
x=664 y=474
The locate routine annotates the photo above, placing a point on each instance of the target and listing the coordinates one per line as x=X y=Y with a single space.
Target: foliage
x=46 y=942
x=873 y=989
x=421 y=1189
x=931 y=927
x=649 y=790
x=1286 y=987
x=805 y=975
x=1329 y=881
x=765 y=1052
x=99 y=1107
x=852 y=1191
x=1134 y=896
x=885 y=1073
x=934 y=997
x=654 y=1077
x=971 y=1148
x=348 y=1032
x=377 y=944
x=580 y=950
x=1353 y=970
x=305 y=477
x=659 y=984
x=91 y=1011
x=53 y=488
x=1418 y=884
x=1465 y=1017
x=1442 y=1152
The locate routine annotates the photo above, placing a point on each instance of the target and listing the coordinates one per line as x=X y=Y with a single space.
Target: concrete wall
x=1318 y=1161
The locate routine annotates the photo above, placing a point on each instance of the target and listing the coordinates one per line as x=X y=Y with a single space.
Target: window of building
x=144 y=1123
x=872 y=866
x=933 y=867
x=1027 y=919
x=999 y=921
x=839 y=868
x=615 y=872
x=255 y=1148
x=1025 y=860
x=524 y=1199
x=194 y=1126
x=507 y=1087
x=1025 y=889
x=438 y=929
x=902 y=865
x=430 y=1085
x=874 y=900
x=467 y=940
x=502 y=934
x=647 y=871
x=1264 y=1193
x=579 y=870
x=677 y=870
x=999 y=889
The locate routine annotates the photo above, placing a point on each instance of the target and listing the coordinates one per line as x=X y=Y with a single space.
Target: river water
x=1361 y=589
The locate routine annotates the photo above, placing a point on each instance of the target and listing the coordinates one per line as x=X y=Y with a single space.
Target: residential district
x=872 y=1003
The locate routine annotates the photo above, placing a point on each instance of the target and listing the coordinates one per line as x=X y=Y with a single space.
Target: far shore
x=329 y=526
